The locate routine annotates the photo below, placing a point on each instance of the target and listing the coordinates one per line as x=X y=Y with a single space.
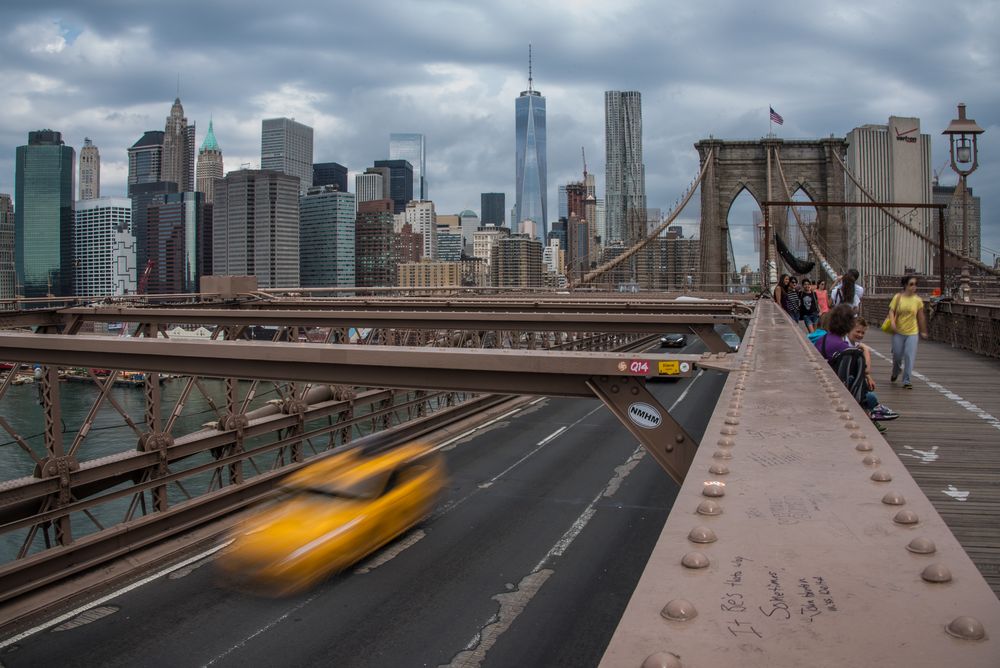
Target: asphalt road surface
x=529 y=560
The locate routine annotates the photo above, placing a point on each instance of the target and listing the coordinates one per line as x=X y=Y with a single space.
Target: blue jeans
x=904 y=354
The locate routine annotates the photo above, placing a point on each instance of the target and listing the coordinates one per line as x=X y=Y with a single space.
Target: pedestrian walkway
x=949 y=439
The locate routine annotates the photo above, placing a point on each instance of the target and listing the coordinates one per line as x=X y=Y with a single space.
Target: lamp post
x=963 y=133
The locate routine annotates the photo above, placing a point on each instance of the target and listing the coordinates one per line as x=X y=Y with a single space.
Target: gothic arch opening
x=745 y=221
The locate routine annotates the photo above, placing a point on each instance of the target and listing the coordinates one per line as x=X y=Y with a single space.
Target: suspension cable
x=795 y=210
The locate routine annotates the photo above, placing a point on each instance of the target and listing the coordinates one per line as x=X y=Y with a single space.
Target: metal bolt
x=921 y=545
x=851 y=424
x=966 y=628
x=871 y=460
x=726 y=442
x=893 y=499
x=863 y=447
x=881 y=476
x=728 y=431
x=905 y=517
x=722 y=454
x=679 y=610
x=718 y=469
x=694 y=560
x=713 y=488
x=662 y=660
x=634 y=390
x=732 y=420
x=702 y=534
x=709 y=507
x=858 y=436
x=614 y=389
x=936 y=573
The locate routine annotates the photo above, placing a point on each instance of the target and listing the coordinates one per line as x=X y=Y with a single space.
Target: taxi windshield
x=352 y=487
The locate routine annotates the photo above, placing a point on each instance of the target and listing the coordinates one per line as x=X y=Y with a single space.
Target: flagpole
x=770 y=123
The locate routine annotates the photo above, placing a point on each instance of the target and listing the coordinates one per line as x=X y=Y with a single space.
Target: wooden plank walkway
x=948 y=436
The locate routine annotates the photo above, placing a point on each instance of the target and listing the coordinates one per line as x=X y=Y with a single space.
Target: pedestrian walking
x=907 y=321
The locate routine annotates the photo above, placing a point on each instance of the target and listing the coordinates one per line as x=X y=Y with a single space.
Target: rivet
x=694 y=560
x=905 y=517
x=841 y=408
x=921 y=545
x=936 y=573
x=702 y=534
x=845 y=416
x=718 y=469
x=614 y=389
x=858 y=436
x=733 y=413
x=881 y=476
x=669 y=447
x=726 y=442
x=679 y=438
x=871 y=460
x=728 y=431
x=966 y=628
x=709 y=507
x=722 y=454
x=851 y=424
x=679 y=610
x=740 y=386
x=863 y=447
x=634 y=390
x=662 y=660
x=713 y=488
x=732 y=420
x=893 y=499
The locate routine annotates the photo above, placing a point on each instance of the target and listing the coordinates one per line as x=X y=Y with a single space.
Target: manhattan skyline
x=110 y=75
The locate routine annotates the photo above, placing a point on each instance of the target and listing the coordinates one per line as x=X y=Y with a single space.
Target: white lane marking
x=455 y=439
x=84 y=618
x=264 y=629
x=541 y=444
x=385 y=556
x=955 y=493
x=113 y=595
x=686 y=390
x=512 y=603
x=967 y=405
x=926 y=456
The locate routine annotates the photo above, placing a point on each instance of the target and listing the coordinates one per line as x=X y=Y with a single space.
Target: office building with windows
x=422 y=218
x=375 y=254
x=400 y=182
x=43 y=215
x=104 y=248
x=492 y=208
x=530 y=169
x=210 y=167
x=373 y=185
x=287 y=147
x=330 y=174
x=174 y=240
x=411 y=147
x=178 y=149
x=145 y=158
x=430 y=274
x=516 y=262
x=625 y=174
x=327 y=238
x=8 y=277
x=90 y=170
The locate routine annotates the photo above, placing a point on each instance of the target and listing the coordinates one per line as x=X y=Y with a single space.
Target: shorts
x=810 y=319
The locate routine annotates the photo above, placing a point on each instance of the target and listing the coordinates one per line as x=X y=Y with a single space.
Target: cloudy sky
x=356 y=71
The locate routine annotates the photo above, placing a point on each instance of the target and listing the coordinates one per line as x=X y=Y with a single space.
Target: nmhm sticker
x=644 y=415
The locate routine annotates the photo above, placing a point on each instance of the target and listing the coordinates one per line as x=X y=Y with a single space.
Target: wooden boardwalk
x=949 y=439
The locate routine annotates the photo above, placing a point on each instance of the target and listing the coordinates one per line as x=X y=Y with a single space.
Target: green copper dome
x=210 y=143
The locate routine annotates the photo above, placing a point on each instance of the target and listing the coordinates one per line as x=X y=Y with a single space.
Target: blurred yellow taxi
x=331 y=514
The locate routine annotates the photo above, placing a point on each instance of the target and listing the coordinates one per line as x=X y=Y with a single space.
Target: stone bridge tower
x=751 y=165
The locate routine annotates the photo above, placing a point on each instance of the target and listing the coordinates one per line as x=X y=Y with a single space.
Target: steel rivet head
x=893 y=499
x=634 y=390
x=679 y=438
x=702 y=534
x=726 y=442
x=732 y=420
x=713 y=488
x=845 y=416
x=727 y=431
x=718 y=469
x=662 y=660
x=936 y=573
x=694 y=560
x=966 y=628
x=851 y=424
x=722 y=454
x=871 y=460
x=881 y=476
x=679 y=610
x=863 y=447
x=859 y=436
x=905 y=517
x=921 y=545
x=733 y=413
x=709 y=507
x=841 y=408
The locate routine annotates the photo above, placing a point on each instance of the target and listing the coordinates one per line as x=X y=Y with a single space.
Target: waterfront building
x=430 y=274
x=421 y=216
x=492 y=206
x=105 y=252
x=210 y=167
x=287 y=147
x=516 y=262
x=255 y=227
x=530 y=170
x=374 y=248
x=90 y=170
x=625 y=174
x=400 y=182
x=43 y=215
x=8 y=277
x=411 y=147
x=893 y=163
x=174 y=241
x=178 y=149
x=330 y=174
x=327 y=237
x=373 y=184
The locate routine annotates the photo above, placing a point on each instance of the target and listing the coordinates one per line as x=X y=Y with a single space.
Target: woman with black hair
x=781 y=292
x=848 y=292
x=906 y=315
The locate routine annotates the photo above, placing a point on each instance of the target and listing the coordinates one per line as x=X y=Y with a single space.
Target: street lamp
x=963 y=133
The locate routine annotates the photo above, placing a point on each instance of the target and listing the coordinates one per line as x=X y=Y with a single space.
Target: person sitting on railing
x=877 y=410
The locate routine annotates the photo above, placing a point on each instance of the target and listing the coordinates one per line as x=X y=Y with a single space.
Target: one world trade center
x=531 y=199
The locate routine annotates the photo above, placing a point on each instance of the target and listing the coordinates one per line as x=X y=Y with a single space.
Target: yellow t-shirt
x=906 y=309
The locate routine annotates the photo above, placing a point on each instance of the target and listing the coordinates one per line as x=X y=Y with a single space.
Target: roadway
x=530 y=559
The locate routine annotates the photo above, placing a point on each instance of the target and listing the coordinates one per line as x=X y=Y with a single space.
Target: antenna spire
x=529 y=67
x=178 y=85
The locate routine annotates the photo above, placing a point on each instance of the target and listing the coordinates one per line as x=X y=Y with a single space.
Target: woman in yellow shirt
x=906 y=314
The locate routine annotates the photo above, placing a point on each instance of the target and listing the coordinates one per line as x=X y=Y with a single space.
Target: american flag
x=776 y=117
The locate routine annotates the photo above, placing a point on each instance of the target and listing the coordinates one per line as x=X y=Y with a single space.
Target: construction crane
x=144 y=279
x=583 y=151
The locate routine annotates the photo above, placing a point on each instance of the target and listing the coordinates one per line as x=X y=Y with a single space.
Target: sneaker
x=893 y=377
x=881 y=428
x=884 y=413
x=907 y=386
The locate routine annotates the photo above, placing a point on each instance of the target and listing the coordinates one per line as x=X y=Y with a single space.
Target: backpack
x=849 y=365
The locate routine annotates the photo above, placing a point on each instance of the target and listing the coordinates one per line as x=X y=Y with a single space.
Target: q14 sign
x=639 y=367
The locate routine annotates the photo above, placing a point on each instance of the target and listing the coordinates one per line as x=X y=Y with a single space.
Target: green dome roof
x=468 y=213
x=210 y=143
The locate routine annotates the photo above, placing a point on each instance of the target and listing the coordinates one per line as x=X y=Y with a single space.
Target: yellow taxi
x=331 y=514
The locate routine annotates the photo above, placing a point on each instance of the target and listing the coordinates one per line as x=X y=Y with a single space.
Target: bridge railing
x=969 y=326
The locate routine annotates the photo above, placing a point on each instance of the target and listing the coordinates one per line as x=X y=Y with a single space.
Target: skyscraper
x=43 y=215
x=173 y=240
x=105 y=247
x=516 y=262
x=492 y=207
x=326 y=246
x=412 y=148
x=178 y=149
x=287 y=147
x=469 y=222
x=210 y=167
x=531 y=194
x=142 y=196
x=330 y=174
x=625 y=177
x=255 y=227
x=373 y=185
x=8 y=280
x=90 y=170
x=421 y=216
x=374 y=251
x=400 y=182
x=145 y=158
